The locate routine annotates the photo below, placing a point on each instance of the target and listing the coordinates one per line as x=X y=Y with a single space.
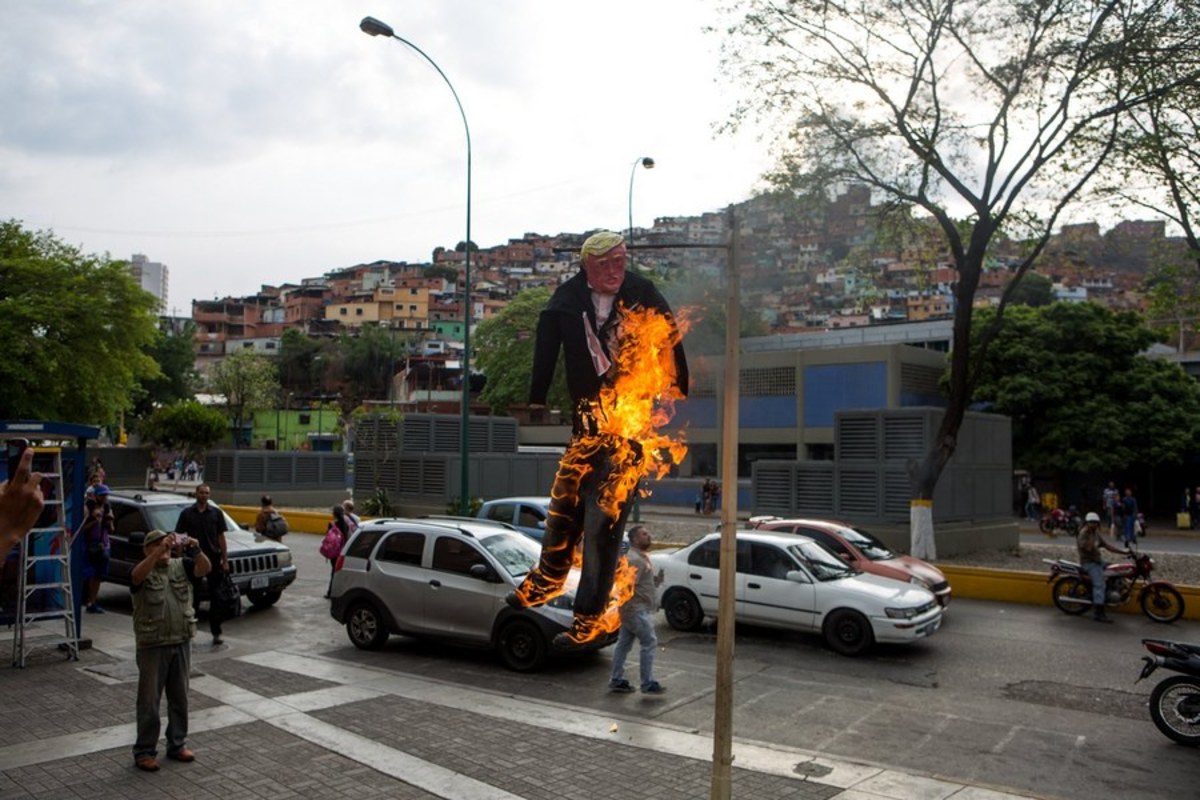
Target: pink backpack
x=331 y=545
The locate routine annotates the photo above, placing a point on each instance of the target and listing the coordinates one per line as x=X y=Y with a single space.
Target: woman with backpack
x=270 y=522
x=335 y=539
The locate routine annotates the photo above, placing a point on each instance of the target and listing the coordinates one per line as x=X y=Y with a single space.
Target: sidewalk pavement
x=280 y=724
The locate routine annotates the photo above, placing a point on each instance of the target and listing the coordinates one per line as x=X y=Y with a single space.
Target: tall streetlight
x=374 y=27
x=648 y=163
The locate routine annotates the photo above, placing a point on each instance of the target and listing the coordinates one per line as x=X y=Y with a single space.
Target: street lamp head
x=647 y=162
x=374 y=27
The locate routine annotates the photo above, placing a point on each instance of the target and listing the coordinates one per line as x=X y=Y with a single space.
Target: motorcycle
x=1059 y=520
x=1175 y=701
x=1072 y=589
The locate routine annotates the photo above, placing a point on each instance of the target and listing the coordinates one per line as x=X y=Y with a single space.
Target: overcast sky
x=249 y=142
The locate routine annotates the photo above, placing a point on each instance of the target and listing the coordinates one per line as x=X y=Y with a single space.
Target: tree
x=504 y=353
x=1081 y=395
x=177 y=380
x=296 y=369
x=366 y=362
x=997 y=110
x=75 y=328
x=1173 y=291
x=1033 y=290
x=441 y=271
x=1157 y=163
x=186 y=427
x=247 y=381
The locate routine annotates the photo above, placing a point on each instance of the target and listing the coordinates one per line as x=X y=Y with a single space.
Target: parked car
x=862 y=551
x=262 y=568
x=446 y=579
x=791 y=582
x=526 y=514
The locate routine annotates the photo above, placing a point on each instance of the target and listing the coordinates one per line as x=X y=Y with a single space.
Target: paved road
x=1003 y=695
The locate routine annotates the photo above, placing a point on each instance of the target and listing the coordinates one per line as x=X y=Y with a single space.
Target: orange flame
x=639 y=400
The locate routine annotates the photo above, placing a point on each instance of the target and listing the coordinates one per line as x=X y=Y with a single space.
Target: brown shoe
x=146 y=763
x=182 y=754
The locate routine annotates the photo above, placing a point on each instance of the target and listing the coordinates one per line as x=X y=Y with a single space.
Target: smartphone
x=14 y=449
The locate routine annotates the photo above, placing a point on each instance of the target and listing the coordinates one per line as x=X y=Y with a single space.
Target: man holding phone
x=164 y=624
x=21 y=497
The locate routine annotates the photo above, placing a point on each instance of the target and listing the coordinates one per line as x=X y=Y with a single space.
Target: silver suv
x=446 y=579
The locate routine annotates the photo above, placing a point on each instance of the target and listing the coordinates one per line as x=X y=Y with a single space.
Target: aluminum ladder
x=45 y=568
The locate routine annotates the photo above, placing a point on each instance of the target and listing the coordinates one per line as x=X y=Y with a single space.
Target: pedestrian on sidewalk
x=1129 y=513
x=637 y=618
x=96 y=529
x=206 y=524
x=270 y=522
x=164 y=624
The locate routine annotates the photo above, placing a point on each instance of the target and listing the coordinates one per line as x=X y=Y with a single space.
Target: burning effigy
x=625 y=368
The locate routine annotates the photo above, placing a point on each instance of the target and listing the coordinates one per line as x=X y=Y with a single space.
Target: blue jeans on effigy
x=160 y=668
x=637 y=625
x=1095 y=571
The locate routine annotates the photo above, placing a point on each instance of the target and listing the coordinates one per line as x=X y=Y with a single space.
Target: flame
x=639 y=400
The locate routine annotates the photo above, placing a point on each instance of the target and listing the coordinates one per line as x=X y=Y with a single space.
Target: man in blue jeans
x=1089 y=542
x=637 y=618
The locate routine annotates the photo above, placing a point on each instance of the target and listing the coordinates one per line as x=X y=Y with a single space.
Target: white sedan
x=791 y=582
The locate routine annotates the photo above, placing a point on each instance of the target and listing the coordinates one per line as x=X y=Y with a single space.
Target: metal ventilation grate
x=767 y=381
x=814 y=489
x=903 y=437
x=858 y=491
x=857 y=438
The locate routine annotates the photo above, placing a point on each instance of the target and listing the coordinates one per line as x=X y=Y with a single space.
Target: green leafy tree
x=247 y=381
x=295 y=366
x=75 y=329
x=1003 y=107
x=441 y=271
x=1173 y=292
x=364 y=363
x=504 y=353
x=1081 y=396
x=177 y=380
x=187 y=427
x=1033 y=290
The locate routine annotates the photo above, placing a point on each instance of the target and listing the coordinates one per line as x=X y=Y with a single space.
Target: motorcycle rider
x=1089 y=542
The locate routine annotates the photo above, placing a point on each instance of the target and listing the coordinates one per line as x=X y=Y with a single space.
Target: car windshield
x=516 y=554
x=164 y=517
x=867 y=544
x=824 y=565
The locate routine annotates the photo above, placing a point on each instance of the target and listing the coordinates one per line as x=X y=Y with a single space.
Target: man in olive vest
x=164 y=623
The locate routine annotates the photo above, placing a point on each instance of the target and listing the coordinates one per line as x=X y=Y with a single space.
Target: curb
x=1032 y=588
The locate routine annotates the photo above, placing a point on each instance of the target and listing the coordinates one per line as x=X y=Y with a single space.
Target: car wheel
x=365 y=627
x=848 y=632
x=682 y=610
x=522 y=646
x=265 y=599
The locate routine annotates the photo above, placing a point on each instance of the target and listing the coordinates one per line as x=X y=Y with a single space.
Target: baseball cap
x=100 y=489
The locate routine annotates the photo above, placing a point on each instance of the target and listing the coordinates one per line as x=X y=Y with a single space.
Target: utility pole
x=722 y=761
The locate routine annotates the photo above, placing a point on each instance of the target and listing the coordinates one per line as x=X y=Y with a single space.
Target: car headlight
x=902 y=613
x=915 y=581
x=285 y=558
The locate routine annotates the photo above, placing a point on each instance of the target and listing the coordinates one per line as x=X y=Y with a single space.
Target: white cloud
x=265 y=141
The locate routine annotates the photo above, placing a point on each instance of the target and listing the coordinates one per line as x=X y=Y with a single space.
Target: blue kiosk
x=66 y=444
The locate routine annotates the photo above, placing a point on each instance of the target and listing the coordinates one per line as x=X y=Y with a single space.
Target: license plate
x=260 y=582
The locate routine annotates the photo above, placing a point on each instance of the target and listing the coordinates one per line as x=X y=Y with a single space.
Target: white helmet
x=1092 y=516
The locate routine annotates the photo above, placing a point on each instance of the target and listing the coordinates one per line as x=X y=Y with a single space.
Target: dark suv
x=261 y=568
x=446 y=579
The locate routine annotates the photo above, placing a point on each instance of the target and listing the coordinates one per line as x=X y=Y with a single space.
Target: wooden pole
x=722 y=784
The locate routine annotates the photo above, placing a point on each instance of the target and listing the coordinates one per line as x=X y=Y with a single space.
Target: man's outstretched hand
x=20 y=503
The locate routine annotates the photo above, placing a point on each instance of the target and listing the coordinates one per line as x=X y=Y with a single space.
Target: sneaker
x=146 y=763
x=182 y=754
x=217 y=641
x=654 y=687
x=620 y=687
